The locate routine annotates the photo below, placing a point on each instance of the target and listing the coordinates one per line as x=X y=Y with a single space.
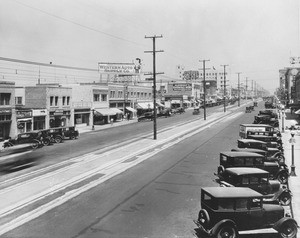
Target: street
x=158 y=197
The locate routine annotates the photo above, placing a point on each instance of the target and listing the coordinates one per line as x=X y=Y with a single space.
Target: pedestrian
x=128 y=116
x=111 y=121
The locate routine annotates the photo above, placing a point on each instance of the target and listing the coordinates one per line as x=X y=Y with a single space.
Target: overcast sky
x=255 y=37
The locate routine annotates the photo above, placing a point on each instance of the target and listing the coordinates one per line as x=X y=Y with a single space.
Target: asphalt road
x=157 y=198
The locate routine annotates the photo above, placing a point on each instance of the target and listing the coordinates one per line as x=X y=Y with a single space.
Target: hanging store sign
x=118 y=68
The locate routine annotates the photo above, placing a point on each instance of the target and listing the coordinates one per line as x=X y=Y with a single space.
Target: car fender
x=278 y=224
x=223 y=222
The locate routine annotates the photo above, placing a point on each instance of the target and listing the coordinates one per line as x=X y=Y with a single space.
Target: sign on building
x=118 y=68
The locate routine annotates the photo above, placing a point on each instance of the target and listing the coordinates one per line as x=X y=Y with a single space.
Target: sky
x=254 y=37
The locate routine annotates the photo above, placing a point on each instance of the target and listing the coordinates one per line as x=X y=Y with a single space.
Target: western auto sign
x=117 y=68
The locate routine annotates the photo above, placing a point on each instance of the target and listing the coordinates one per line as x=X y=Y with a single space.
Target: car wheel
x=285 y=199
x=288 y=230
x=226 y=230
x=46 y=142
x=203 y=218
x=72 y=137
x=280 y=158
x=283 y=177
x=35 y=145
x=58 y=139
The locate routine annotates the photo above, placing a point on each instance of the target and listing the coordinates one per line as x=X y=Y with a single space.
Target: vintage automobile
x=179 y=110
x=196 y=111
x=268 y=154
x=146 y=116
x=33 y=138
x=227 y=210
x=269 y=112
x=56 y=134
x=70 y=132
x=229 y=159
x=258 y=180
x=16 y=156
x=271 y=147
x=249 y=109
x=255 y=104
x=266 y=119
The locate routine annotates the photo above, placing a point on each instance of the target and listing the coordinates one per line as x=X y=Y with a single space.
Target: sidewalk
x=85 y=129
x=294 y=181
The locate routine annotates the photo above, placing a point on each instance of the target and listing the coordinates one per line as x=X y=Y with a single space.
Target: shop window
x=4 y=98
x=96 y=97
x=104 y=97
x=63 y=100
x=56 y=100
x=68 y=100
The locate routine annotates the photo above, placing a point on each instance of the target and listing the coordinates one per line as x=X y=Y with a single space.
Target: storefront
x=39 y=119
x=5 y=123
x=82 y=116
x=24 y=120
x=104 y=115
x=59 y=118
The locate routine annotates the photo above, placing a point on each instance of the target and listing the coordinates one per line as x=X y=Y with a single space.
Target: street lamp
x=293 y=141
x=93 y=113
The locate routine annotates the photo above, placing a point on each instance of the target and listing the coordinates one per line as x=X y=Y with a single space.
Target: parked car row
x=44 y=137
x=252 y=189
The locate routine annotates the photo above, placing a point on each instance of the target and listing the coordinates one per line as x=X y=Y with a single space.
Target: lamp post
x=293 y=141
x=282 y=124
x=93 y=113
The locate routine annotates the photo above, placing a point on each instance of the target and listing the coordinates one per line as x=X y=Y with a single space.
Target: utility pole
x=204 y=89
x=154 y=82
x=224 y=65
x=239 y=94
x=246 y=88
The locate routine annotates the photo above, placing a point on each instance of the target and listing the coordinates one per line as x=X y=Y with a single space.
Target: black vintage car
x=271 y=113
x=266 y=119
x=258 y=180
x=227 y=210
x=70 y=132
x=229 y=159
x=146 y=116
x=268 y=154
x=268 y=139
x=33 y=137
x=271 y=147
x=16 y=156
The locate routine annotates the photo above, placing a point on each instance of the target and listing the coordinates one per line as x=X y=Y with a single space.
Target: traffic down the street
x=144 y=188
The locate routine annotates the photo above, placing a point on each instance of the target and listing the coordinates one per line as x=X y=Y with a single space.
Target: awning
x=297 y=112
x=130 y=109
x=175 y=101
x=160 y=105
x=186 y=101
x=145 y=105
x=105 y=112
x=24 y=119
x=116 y=110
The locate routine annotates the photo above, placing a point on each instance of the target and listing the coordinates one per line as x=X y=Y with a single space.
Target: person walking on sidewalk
x=111 y=121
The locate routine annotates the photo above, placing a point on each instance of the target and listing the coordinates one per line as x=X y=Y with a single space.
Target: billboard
x=117 y=68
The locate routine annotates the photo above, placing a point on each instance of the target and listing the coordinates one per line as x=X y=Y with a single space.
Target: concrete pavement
x=294 y=181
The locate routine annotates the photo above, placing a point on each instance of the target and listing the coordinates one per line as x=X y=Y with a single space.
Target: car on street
x=229 y=159
x=227 y=210
x=146 y=116
x=32 y=137
x=70 y=132
x=244 y=128
x=258 y=180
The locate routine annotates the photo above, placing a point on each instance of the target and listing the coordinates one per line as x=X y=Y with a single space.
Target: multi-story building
x=53 y=98
x=7 y=110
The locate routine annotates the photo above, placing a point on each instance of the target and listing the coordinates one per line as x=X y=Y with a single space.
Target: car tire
x=46 y=142
x=203 y=218
x=288 y=229
x=72 y=137
x=283 y=177
x=58 y=139
x=227 y=230
x=285 y=199
x=35 y=145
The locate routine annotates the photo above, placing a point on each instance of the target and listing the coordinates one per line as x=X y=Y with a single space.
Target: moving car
x=146 y=116
x=258 y=180
x=33 y=138
x=227 y=210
